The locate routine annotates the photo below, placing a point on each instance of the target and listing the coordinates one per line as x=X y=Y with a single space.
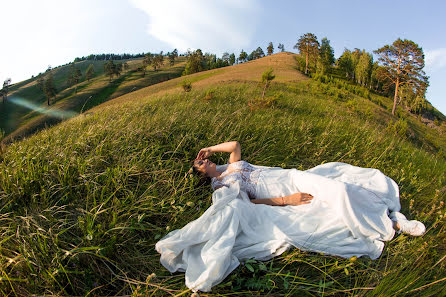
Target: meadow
x=83 y=203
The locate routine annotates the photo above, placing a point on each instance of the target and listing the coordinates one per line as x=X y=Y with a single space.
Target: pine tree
x=243 y=56
x=308 y=46
x=403 y=64
x=270 y=49
x=281 y=47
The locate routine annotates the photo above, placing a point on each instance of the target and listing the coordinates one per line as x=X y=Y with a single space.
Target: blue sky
x=51 y=32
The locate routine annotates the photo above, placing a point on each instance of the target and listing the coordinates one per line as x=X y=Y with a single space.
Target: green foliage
x=398 y=127
x=111 y=69
x=243 y=56
x=403 y=64
x=195 y=62
x=187 y=85
x=270 y=49
x=281 y=47
x=308 y=47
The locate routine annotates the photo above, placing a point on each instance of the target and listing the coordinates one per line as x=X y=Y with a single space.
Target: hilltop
x=84 y=202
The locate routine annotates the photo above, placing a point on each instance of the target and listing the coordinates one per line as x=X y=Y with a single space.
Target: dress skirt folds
x=349 y=216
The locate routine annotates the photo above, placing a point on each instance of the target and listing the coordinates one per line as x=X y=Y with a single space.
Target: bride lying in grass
x=259 y=212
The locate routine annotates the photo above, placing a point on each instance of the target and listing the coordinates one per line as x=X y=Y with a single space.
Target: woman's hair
x=204 y=179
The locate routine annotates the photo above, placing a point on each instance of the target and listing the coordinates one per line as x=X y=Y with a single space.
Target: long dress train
x=349 y=216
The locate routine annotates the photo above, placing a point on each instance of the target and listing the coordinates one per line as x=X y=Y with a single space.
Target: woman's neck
x=214 y=174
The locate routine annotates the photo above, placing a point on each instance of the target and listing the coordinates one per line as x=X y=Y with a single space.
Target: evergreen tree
x=243 y=56
x=308 y=46
x=258 y=53
x=90 y=72
x=48 y=88
x=270 y=49
x=403 y=64
x=281 y=47
x=231 y=59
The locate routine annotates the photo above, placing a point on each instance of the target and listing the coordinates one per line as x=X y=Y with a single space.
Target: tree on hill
x=146 y=62
x=172 y=56
x=225 y=58
x=403 y=63
x=308 y=46
x=326 y=52
x=363 y=69
x=158 y=61
x=270 y=49
x=5 y=90
x=231 y=59
x=49 y=89
x=243 y=56
x=195 y=62
x=345 y=64
x=118 y=69
x=89 y=74
x=281 y=47
x=259 y=53
x=110 y=69
x=267 y=77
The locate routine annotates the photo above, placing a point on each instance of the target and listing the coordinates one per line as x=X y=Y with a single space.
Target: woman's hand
x=204 y=153
x=298 y=199
x=293 y=199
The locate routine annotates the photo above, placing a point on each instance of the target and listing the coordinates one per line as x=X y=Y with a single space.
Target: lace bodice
x=240 y=171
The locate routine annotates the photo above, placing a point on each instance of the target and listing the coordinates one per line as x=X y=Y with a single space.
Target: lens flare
x=53 y=112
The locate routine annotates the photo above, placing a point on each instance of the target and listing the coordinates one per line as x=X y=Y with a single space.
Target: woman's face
x=205 y=166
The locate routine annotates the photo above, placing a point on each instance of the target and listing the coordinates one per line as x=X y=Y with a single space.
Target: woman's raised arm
x=232 y=147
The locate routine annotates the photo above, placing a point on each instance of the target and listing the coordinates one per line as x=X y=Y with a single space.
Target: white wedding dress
x=349 y=216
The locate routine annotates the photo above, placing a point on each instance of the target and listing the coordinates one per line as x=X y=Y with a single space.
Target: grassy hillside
x=18 y=121
x=83 y=203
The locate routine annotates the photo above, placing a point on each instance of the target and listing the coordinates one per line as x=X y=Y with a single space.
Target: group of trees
x=398 y=71
x=157 y=60
x=102 y=57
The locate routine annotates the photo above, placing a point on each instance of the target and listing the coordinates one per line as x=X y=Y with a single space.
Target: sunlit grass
x=82 y=204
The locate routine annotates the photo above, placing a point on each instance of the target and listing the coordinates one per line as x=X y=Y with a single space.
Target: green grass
x=82 y=204
x=19 y=122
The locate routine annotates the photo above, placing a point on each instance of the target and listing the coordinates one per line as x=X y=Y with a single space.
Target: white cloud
x=214 y=26
x=435 y=59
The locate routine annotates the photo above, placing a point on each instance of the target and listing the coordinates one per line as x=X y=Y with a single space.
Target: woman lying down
x=259 y=212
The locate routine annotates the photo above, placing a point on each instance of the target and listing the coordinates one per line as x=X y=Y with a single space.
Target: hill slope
x=83 y=203
x=26 y=110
